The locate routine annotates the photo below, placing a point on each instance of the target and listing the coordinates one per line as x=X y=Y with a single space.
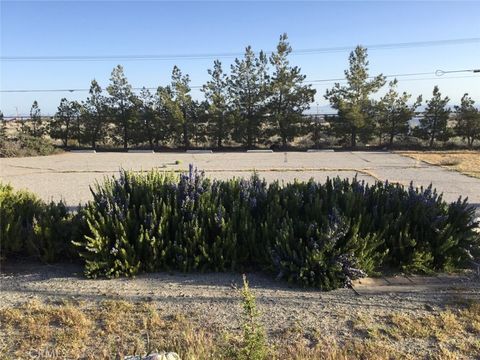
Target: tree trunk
x=220 y=132
x=186 y=143
x=125 y=132
x=125 y=136
x=470 y=141
x=353 y=141
x=432 y=138
x=185 y=136
x=249 y=133
x=65 y=141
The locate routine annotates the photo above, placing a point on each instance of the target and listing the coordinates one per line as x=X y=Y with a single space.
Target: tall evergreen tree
x=433 y=124
x=95 y=115
x=178 y=101
x=288 y=96
x=170 y=113
x=35 y=126
x=199 y=121
x=216 y=95
x=61 y=125
x=122 y=100
x=468 y=120
x=77 y=132
x=394 y=113
x=353 y=100
x=248 y=91
x=147 y=117
x=165 y=125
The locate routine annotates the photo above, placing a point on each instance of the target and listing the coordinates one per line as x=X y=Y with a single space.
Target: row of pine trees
x=259 y=103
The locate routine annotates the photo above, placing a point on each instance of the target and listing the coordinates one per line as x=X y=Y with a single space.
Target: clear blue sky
x=63 y=28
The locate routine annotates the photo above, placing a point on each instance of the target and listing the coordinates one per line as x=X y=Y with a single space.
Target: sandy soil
x=215 y=299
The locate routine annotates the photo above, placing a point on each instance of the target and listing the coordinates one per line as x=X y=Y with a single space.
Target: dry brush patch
x=465 y=162
x=113 y=328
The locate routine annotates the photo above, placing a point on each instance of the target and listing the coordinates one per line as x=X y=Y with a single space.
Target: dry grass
x=466 y=162
x=112 y=329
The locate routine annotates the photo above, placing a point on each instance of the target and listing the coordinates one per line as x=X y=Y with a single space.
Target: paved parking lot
x=68 y=176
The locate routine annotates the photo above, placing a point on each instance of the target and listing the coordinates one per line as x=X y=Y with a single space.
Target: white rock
x=155 y=356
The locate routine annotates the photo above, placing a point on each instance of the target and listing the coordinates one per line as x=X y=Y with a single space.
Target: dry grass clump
x=113 y=329
x=466 y=162
x=106 y=330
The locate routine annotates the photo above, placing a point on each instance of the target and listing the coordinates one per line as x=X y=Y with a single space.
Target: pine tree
x=122 y=103
x=199 y=116
x=183 y=100
x=394 y=113
x=147 y=117
x=169 y=113
x=353 y=100
x=164 y=125
x=35 y=127
x=248 y=91
x=468 y=120
x=178 y=101
x=216 y=95
x=61 y=125
x=433 y=125
x=95 y=115
x=288 y=96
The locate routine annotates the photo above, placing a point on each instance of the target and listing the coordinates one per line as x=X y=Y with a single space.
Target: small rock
x=429 y=307
x=155 y=356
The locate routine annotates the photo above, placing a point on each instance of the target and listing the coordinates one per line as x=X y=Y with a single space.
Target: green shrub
x=29 y=227
x=254 y=342
x=26 y=145
x=321 y=235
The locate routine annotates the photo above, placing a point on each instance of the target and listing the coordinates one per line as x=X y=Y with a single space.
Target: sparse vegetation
x=254 y=346
x=26 y=145
x=72 y=330
x=466 y=162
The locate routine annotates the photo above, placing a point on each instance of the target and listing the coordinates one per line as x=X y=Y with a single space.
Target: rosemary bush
x=321 y=235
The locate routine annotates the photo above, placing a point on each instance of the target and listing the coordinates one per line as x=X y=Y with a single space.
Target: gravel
x=214 y=298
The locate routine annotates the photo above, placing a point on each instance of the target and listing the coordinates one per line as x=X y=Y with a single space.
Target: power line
x=324 y=50
x=438 y=77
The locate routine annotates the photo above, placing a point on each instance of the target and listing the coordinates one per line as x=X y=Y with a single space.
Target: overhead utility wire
x=324 y=50
x=438 y=73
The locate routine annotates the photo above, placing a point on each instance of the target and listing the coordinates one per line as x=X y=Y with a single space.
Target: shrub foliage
x=321 y=235
x=30 y=227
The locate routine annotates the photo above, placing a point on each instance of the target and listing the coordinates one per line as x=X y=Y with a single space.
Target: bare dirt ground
x=213 y=299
